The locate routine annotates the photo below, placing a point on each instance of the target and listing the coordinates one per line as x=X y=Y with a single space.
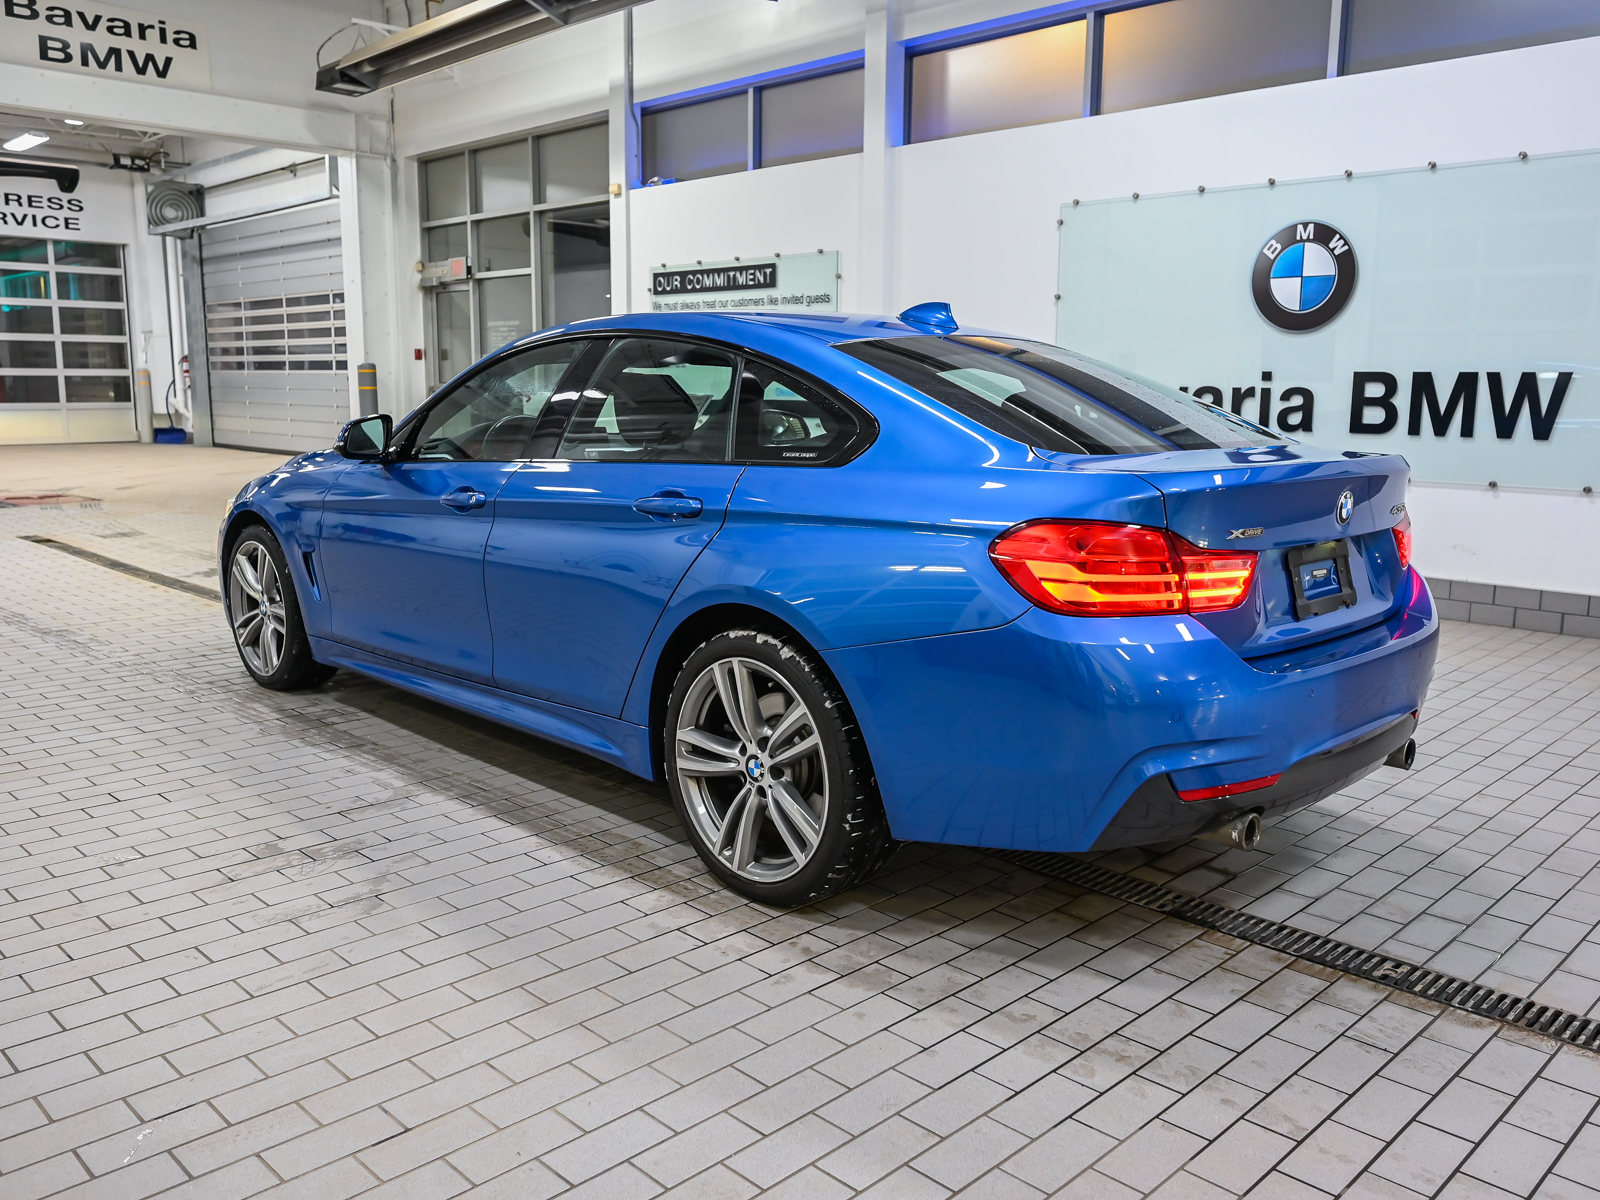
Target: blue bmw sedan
x=844 y=581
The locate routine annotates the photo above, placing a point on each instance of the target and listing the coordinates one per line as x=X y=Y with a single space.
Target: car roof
x=737 y=326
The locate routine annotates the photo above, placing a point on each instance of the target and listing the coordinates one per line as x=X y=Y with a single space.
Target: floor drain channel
x=1396 y=973
x=182 y=585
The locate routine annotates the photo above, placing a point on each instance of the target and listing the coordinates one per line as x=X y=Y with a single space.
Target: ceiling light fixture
x=26 y=141
x=72 y=120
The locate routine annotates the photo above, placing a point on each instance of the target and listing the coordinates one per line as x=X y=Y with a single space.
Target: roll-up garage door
x=275 y=330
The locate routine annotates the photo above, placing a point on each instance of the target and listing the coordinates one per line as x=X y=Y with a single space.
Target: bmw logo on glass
x=1304 y=276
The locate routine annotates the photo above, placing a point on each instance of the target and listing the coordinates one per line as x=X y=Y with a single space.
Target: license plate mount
x=1320 y=579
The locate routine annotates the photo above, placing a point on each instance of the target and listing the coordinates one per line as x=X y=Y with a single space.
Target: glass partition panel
x=574 y=165
x=93 y=389
x=21 y=250
x=72 y=286
x=1184 y=49
x=29 y=389
x=33 y=318
x=444 y=187
x=577 y=249
x=452 y=327
x=697 y=140
x=504 y=177
x=25 y=285
x=97 y=321
x=503 y=244
x=814 y=118
x=505 y=311
x=446 y=241
x=1396 y=33
x=94 y=356
x=87 y=254
x=28 y=355
x=1024 y=79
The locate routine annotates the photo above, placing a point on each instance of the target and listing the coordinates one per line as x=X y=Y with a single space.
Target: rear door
x=588 y=544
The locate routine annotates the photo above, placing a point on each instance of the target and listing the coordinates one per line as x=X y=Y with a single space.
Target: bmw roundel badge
x=1345 y=508
x=1304 y=276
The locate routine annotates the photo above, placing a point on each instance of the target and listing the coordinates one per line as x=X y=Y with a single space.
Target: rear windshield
x=1053 y=399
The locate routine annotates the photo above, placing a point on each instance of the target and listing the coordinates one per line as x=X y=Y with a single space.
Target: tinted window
x=1023 y=79
x=1052 y=399
x=814 y=118
x=782 y=419
x=1396 y=33
x=697 y=140
x=655 y=401
x=500 y=414
x=1184 y=49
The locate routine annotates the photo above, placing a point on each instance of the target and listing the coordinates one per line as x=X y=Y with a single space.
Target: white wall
x=972 y=219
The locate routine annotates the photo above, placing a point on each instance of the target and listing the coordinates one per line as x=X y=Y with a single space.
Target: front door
x=588 y=546
x=402 y=542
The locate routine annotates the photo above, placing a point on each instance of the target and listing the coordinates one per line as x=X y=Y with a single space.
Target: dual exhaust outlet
x=1243 y=833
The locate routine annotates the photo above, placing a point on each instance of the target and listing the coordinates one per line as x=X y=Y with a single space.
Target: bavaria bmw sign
x=1304 y=276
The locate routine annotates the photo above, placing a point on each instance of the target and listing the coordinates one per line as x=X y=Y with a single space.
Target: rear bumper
x=1054 y=733
x=1154 y=813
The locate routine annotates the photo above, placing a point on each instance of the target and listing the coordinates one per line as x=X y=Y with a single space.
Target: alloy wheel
x=255 y=602
x=750 y=764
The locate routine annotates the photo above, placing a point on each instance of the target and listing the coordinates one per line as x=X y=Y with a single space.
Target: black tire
x=848 y=844
x=254 y=610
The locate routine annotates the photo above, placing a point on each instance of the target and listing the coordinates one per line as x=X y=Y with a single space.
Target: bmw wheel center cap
x=1304 y=276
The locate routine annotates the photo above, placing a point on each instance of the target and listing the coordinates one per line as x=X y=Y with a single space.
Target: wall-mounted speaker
x=167 y=201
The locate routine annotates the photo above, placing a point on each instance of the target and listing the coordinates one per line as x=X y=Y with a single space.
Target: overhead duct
x=173 y=202
x=453 y=37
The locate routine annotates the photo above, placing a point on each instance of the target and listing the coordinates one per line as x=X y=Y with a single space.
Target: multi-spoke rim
x=255 y=604
x=749 y=760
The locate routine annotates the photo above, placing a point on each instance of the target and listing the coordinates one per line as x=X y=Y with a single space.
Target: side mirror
x=366 y=437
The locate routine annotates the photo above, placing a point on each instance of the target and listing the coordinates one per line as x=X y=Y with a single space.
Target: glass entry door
x=452 y=335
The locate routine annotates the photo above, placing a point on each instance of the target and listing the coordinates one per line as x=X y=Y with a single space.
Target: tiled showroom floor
x=347 y=942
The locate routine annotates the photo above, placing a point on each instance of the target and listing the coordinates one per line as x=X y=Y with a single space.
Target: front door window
x=655 y=401
x=498 y=414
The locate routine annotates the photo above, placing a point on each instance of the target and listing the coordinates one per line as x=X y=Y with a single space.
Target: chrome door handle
x=669 y=504
x=465 y=498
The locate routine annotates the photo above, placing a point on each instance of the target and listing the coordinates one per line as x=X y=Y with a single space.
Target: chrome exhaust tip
x=1403 y=757
x=1242 y=833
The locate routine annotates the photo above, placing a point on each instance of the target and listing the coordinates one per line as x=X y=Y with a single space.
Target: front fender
x=288 y=501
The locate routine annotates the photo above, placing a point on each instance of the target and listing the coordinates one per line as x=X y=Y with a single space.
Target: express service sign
x=1450 y=315
x=104 y=40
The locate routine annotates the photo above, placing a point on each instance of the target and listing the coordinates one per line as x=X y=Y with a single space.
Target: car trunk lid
x=1320 y=520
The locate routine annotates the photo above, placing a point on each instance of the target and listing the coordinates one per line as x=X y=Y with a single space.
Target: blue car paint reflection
x=559 y=609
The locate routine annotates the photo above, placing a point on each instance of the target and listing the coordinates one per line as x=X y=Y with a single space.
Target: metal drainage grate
x=1475 y=998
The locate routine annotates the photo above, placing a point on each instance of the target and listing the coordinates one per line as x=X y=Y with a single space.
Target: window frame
x=751 y=86
x=588 y=362
x=536 y=270
x=1094 y=13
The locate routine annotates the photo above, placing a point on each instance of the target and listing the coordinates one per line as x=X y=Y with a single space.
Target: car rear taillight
x=1215 y=581
x=1098 y=569
x=1402 y=541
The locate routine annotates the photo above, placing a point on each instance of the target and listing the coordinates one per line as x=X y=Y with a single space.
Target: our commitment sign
x=100 y=39
x=754 y=277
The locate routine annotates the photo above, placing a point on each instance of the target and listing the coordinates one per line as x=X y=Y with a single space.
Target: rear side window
x=783 y=419
x=1052 y=399
x=654 y=400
